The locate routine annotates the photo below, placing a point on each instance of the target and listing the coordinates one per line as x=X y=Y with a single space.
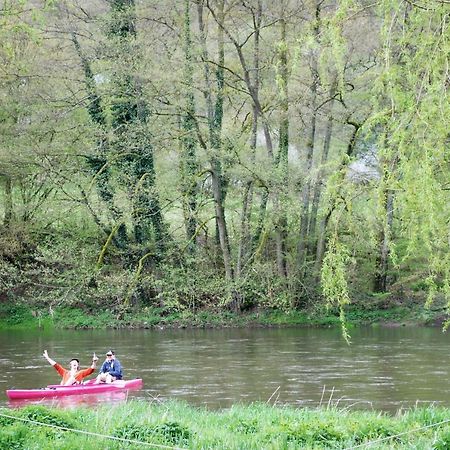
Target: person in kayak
x=111 y=369
x=74 y=375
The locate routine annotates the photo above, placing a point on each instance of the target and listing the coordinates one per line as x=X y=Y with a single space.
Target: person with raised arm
x=73 y=375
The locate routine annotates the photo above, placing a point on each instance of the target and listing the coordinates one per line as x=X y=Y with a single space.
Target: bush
x=135 y=432
x=170 y=432
x=14 y=437
x=379 y=428
x=15 y=314
x=174 y=433
x=306 y=433
x=47 y=416
x=443 y=440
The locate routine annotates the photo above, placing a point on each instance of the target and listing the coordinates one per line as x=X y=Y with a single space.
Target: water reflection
x=74 y=401
x=382 y=369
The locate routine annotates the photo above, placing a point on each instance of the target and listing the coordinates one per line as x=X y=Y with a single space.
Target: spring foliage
x=135 y=157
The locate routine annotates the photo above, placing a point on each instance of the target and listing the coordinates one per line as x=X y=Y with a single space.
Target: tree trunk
x=245 y=240
x=321 y=241
x=130 y=115
x=306 y=189
x=381 y=270
x=215 y=118
x=254 y=94
x=98 y=162
x=281 y=194
x=188 y=159
x=319 y=181
x=8 y=202
x=220 y=218
x=217 y=174
x=261 y=218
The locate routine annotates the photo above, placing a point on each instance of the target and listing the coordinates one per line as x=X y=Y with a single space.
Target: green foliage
x=244 y=426
x=170 y=432
x=16 y=244
x=378 y=428
x=14 y=314
x=18 y=434
x=135 y=432
x=76 y=318
x=189 y=289
x=252 y=426
x=416 y=140
x=143 y=133
x=174 y=433
x=47 y=416
x=334 y=280
x=14 y=437
x=443 y=440
x=10 y=276
x=307 y=434
x=5 y=421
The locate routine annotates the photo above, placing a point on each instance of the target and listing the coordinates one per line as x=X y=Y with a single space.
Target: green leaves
x=334 y=279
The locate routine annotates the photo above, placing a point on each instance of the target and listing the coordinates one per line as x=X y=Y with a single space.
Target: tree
x=129 y=119
x=215 y=119
x=282 y=156
x=411 y=111
x=189 y=166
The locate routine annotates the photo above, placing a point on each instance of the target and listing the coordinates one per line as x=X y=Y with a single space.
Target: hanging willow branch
x=334 y=280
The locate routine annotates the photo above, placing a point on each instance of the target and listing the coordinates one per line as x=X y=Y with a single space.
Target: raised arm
x=50 y=360
x=94 y=361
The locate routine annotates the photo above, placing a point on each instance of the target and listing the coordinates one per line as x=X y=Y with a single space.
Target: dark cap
x=109 y=353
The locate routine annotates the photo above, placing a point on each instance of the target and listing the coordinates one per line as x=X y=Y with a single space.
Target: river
x=383 y=369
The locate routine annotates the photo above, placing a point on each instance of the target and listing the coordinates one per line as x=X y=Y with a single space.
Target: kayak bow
x=77 y=389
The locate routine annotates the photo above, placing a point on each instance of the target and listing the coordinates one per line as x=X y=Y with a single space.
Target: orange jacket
x=66 y=373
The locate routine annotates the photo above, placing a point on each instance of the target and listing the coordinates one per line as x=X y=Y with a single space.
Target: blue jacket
x=112 y=367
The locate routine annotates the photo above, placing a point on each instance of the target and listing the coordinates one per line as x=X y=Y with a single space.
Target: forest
x=223 y=155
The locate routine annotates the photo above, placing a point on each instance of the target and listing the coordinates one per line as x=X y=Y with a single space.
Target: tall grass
x=257 y=426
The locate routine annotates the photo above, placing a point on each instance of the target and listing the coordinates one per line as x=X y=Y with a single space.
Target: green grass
x=22 y=316
x=257 y=426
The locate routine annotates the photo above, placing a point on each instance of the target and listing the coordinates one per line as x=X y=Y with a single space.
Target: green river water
x=384 y=368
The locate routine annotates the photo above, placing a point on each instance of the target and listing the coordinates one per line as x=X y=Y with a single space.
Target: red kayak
x=56 y=390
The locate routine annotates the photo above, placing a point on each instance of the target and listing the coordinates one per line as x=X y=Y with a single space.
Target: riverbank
x=54 y=286
x=375 y=312
x=177 y=425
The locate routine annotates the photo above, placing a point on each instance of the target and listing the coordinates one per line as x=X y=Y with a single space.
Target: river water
x=383 y=369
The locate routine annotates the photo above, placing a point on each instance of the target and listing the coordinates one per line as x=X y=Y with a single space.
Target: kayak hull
x=80 y=389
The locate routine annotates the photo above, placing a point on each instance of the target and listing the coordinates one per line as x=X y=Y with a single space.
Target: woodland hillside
x=223 y=154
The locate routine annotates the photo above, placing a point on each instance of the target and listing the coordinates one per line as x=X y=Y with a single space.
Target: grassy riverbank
x=256 y=426
x=25 y=316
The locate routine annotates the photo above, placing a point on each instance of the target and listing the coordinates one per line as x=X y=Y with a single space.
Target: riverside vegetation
x=212 y=162
x=22 y=316
x=217 y=162
x=257 y=426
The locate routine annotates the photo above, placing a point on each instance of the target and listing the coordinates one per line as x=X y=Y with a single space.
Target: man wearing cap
x=111 y=369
